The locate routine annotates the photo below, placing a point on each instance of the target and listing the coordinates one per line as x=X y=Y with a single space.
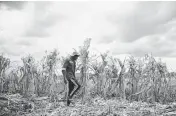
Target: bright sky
x=122 y=28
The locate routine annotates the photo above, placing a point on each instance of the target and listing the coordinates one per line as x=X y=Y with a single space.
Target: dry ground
x=92 y=107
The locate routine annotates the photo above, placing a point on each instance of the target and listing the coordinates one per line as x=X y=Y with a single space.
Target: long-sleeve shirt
x=69 y=66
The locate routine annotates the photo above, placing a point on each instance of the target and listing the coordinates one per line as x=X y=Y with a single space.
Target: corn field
x=133 y=79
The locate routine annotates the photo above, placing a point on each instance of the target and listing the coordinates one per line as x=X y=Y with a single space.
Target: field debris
x=16 y=105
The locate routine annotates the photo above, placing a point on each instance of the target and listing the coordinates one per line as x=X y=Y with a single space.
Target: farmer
x=68 y=71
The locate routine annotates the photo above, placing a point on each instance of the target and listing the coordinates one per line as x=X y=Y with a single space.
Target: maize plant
x=4 y=64
x=118 y=85
x=163 y=81
x=151 y=81
x=132 y=71
x=103 y=79
x=48 y=73
x=84 y=56
x=112 y=74
x=99 y=76
x=121 y=79
x=99 y=73
x=27 y=76
x=13 y=82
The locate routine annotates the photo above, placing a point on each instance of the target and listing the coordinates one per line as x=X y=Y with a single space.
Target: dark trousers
x=72 y=87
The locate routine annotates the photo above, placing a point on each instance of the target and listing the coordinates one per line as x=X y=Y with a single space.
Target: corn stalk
x=121 y=79
x=27 y=76
x=4 y=63
x=84 y=53
x=49 y=73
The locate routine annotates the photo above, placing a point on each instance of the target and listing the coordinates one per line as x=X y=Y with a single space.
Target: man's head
x=75 y=55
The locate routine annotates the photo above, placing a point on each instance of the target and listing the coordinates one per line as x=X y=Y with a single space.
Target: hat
x=75 y=54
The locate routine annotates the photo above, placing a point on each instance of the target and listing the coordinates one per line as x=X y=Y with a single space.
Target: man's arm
x=64 y=75
x=64 y=71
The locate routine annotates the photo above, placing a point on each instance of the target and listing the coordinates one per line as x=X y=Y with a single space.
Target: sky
x=123 y=28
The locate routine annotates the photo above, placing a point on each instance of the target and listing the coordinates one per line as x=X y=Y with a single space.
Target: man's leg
x=70 y=87
x=76 y=88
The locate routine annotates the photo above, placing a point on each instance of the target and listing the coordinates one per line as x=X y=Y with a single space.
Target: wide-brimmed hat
x=75 y=54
